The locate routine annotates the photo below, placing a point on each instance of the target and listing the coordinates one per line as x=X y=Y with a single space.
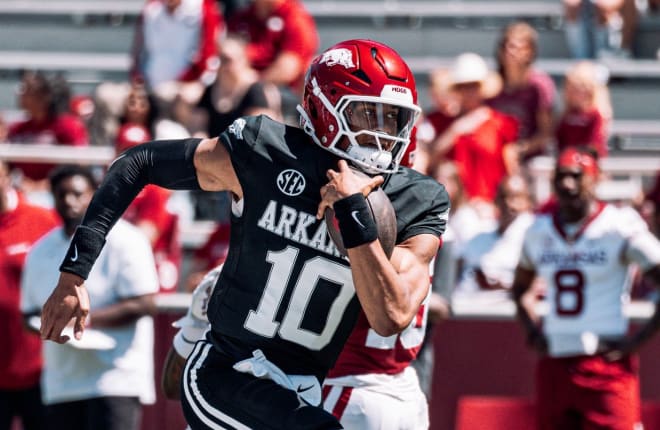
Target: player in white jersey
x=587 y=377
x=488 y=260
x=373 y=386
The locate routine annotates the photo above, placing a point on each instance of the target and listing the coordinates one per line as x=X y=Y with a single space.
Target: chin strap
x=370 y=157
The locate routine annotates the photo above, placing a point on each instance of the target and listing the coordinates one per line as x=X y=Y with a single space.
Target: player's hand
x=616 y=350
x=69 y=300
x=343 y=183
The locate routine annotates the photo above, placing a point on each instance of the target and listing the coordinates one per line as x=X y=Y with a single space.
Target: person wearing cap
x=587 y=375
x=480 y=141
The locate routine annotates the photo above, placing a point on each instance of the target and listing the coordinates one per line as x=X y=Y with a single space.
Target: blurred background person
x=600 y=28
x=21 y=225
x=488 y=260
x=138 y=119
x=282 y=41
x=174 y=48
x=526 y=93
x=444 y=109
x=236 y=91
x=87 y=385
x=481 y=139
x=588 y=372
x=3 y=129
x=587 y=114
x=44 y=124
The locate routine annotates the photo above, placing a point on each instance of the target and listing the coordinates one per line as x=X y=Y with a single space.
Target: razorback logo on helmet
x=341 y=56
x=397 y=93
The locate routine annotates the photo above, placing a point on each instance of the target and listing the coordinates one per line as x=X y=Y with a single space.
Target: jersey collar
x=573 y=238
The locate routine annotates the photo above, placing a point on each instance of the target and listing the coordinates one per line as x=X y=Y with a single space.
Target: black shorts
x=215 y=396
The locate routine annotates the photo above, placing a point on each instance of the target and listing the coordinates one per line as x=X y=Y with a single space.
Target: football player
x=371 y=386
x=587 y=376
x=289 y=300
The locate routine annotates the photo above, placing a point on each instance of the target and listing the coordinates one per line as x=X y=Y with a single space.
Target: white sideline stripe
x=191 y=368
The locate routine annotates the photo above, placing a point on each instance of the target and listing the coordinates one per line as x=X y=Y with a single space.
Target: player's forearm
x=526 y=310
x=124 y=312
x=168 y=164
x=390 y=300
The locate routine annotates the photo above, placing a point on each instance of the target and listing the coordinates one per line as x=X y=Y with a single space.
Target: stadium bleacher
x=89 y=41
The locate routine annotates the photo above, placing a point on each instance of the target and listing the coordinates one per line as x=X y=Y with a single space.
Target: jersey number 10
x=262 y=321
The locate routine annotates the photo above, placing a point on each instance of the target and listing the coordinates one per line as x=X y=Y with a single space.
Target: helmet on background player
x=360 y=102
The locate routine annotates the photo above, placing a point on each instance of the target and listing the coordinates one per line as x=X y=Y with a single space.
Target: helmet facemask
x=372 y=132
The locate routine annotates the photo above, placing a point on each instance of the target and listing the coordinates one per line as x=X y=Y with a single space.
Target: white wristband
x=185 y=339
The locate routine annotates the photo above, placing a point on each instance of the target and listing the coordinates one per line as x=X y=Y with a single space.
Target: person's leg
x=31 y=409
x=630 y=16
x=214 y=395
x=578 y=27
x=114 y=413
x=66 y=415
x=609 y=396
x=617 y=24
x=6 y=409
x=554 y=395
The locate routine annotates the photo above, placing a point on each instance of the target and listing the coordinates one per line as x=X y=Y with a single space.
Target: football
x=383 y=213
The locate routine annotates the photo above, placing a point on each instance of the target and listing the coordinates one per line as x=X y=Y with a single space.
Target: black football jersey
x=285 y=288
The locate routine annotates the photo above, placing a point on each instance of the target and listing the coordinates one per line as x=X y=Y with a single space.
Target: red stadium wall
x=475 y=359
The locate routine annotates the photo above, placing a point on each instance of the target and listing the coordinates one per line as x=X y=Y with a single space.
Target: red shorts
x=588 y=393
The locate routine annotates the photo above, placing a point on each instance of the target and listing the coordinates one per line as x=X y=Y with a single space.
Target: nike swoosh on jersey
x=300 y=388
x=354 y=214
x=75 y=254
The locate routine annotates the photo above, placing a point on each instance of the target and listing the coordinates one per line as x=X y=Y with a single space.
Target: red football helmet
x=360 y=102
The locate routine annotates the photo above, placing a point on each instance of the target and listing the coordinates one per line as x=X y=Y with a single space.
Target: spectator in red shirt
x=44 y=125
x=21 y=225
x=174 y=46
x=481 y=138
x=282 y=39
x=445 y=108
x=137 y=121
x=526 y=93
x=587 y=109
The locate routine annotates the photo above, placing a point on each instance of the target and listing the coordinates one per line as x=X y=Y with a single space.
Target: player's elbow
x=390 y=324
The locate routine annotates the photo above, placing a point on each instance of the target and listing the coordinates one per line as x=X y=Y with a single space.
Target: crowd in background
x=197 y=65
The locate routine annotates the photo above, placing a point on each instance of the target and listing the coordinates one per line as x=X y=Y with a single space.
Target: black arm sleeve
x=166 y=163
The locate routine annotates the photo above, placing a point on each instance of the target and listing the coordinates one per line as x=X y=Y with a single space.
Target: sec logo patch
x=291 y=182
